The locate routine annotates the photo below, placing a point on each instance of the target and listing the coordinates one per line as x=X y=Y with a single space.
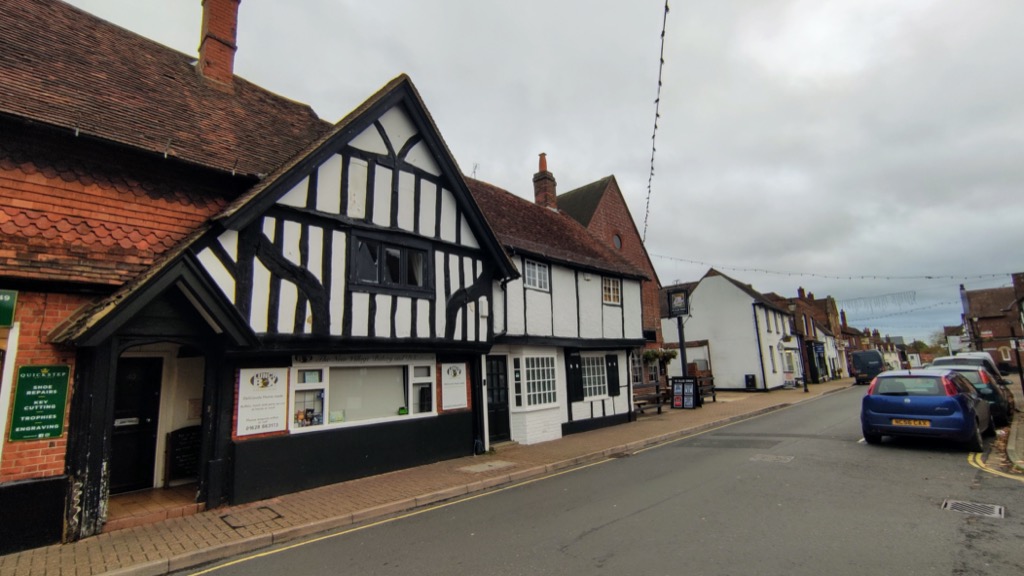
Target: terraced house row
x=202 y=283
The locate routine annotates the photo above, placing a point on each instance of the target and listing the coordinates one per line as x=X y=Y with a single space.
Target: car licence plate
x=905 y=422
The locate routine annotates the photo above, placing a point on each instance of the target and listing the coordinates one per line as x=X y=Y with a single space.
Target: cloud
x=836 y=137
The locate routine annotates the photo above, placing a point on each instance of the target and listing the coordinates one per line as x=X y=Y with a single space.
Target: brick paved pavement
x=180 y=543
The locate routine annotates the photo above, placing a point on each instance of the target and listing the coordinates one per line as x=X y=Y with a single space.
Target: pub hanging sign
x=40 y=399
x=7 y=300
x=678 y=303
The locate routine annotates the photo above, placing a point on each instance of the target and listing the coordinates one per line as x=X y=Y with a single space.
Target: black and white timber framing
x=289 y=271
x=365 y=250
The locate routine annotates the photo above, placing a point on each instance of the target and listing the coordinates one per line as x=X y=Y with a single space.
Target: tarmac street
x=181 y=543
x=792 y=492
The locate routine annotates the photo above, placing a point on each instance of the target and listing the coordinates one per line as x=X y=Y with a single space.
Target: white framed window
x=537 y=276
x=771 y=354
x=636 y=368
x=777 y=328
x=382 y=266
x=611 y=290
x=1004 y=353
x=654 y=371
x=595 y=381
x=768 y=320
x=540 y=380
x=336 y=394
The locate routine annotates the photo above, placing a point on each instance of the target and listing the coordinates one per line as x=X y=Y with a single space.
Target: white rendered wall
x=722 y=314
x=563 y=294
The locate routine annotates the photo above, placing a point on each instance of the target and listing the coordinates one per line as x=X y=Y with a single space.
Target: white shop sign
x=453 y=386
x=262 y=400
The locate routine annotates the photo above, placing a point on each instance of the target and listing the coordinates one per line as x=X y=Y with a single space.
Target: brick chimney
x=544 y=185
x=842 y=317
x=217 y=47
x=800 y=293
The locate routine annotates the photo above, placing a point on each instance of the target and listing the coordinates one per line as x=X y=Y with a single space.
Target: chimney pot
x=800 y=293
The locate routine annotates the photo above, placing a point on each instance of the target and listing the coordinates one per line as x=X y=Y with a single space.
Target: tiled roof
x=749 y=290
x=663 y=296
x=953 y=330
x=525 y=227
x=989 y=302
x=64 y=67
x=68 y=213
x=583 y=201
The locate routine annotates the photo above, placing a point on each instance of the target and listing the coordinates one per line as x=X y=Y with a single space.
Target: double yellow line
x=974 y=459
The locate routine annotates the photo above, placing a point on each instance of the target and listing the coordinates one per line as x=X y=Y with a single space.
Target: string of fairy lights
x=870 y=304
x=961 y=277
x=874 y=307
x=657 y=115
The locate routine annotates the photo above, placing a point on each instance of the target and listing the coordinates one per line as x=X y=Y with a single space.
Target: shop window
x=388 y=266
x=537 y=276
x=595 y=382
x=308 y=408
x=540 y=380
x=341 y=395
x=611 y=288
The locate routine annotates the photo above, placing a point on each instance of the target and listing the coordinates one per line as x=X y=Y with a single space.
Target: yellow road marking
x=974 y=459
x=395 y=518
x=475 y=496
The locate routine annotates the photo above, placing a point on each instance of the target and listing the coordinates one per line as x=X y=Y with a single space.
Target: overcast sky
x=840 y=138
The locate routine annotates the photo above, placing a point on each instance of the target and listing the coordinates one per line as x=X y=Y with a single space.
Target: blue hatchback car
x=937 y=403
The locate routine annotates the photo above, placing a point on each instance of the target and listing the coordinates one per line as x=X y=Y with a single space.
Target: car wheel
x=991 y=430
x=975 y=443
x=871 y=438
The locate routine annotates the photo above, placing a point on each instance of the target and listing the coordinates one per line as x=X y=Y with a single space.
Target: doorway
x=136 y=422
x=497 y=399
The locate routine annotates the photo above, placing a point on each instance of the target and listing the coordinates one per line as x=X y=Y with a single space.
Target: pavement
x=187 y=542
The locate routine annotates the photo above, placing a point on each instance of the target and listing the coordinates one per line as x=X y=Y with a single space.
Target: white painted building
x=749 y=338
x=563 y=330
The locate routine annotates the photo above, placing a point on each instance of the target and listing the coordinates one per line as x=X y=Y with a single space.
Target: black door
x=497 y=399
x=136 y=408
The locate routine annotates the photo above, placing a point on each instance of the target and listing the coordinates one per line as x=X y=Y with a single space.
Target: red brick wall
x=37 y=314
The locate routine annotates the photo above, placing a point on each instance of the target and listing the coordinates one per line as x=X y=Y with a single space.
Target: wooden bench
x=657 y=399
x=707 y=388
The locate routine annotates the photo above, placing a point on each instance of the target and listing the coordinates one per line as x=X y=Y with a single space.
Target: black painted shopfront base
x=278 y=465
x=31 y=513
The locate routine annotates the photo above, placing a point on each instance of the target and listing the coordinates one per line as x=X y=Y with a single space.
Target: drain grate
x=990 y=510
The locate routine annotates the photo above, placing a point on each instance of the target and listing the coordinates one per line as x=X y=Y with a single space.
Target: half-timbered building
x=227 y=292
x=564 y=329
x=602 y=209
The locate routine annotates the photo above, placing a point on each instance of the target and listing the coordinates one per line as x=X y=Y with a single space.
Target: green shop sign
x=7 y=300
x=39 y=402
